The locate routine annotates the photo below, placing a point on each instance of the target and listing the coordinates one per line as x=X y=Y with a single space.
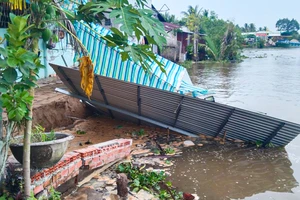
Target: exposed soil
x=53 y=109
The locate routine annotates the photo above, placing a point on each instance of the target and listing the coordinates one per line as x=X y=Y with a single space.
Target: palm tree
x=205 y=13
x=169 y=18
x=252 y=28
x=246 y=26
x=192 y=18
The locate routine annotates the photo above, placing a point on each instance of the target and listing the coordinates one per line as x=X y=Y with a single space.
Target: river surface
x=268 y=81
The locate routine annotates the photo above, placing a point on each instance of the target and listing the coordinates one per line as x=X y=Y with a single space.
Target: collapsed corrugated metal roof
x=180 y=113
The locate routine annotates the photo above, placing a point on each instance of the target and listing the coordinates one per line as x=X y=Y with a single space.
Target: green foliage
x=287 y=25
x=6 y=197
x=16 y=103
x=270 y=145
x=187 y=64
x=16 y=58
x=260 y=43
x=139 y=133
x=80 y=132
x=39 y=135
x=53 y=195
x=169 y=150
x=168 y=162
x=258 y=144
x=149 y=181
x=156 y=151
x=223 y=39
x=133 y=23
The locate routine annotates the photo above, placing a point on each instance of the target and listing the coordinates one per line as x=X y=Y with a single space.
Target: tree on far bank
x=252 y=28
x=170 y=18
x=287 y=25
x=192 y=19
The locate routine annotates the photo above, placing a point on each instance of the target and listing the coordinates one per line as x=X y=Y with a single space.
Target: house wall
x=49 y=56
x=184 y=39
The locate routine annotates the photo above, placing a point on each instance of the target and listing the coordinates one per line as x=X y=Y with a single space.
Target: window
x=107 y=22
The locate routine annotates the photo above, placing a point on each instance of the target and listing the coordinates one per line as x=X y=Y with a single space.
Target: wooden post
x=122 y=183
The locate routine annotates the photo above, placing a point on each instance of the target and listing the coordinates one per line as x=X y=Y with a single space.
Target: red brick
x=65 y=172
x=87 y=161
x=56 y=177
x=47 y=183
x=72 y=156
x=79 y=164
x=95 y=159
x=87 y=151
x=38 y=189
x=71 y=167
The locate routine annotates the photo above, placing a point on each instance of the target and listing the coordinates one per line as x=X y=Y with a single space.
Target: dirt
x=53 y=109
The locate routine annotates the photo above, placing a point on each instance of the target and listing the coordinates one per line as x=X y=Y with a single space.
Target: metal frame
x=178 y=110
x=269 y=139
x=225 y=122
x=103 y=95
x=139 y=101
x=130 y=114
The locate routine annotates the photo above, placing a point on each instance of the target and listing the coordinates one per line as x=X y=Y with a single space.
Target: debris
x=188 y=143
x=95 y=173
x=187 y=196
x=88 y=142
x=122 y=183
x=238 y=141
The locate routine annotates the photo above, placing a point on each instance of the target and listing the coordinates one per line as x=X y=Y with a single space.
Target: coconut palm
x=192 y=18
x=246 y=26
x=169 y=17
x=252 y=28
x=24 y=33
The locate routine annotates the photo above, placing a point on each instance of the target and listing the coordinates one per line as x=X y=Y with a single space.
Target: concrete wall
x=50 y=56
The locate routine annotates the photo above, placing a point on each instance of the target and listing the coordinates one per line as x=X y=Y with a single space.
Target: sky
x=260 y=12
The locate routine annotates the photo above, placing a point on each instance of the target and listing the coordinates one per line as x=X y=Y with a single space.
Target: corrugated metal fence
x=186 y=115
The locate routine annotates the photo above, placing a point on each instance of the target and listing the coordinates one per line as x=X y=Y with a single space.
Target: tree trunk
x=26 y=151
x=195 y=47
x=27 y=134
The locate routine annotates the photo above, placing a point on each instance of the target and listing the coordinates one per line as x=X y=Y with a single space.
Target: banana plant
x=20 y=63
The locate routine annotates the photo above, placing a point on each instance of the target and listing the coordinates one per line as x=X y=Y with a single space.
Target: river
x=268 y=81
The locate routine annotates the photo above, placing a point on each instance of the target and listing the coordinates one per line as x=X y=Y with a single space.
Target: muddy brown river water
x=268 y=81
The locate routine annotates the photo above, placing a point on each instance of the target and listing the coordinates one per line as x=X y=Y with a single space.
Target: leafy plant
x=139 y=133
x=156 y=151
x=258 y=143
x=39 y=135
x=80 y=132
x=187 y=64
x=168 y=162
x=169 y=150
x=6 y=197
x=270 y=145
x=53 y=195
x=148 y=181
